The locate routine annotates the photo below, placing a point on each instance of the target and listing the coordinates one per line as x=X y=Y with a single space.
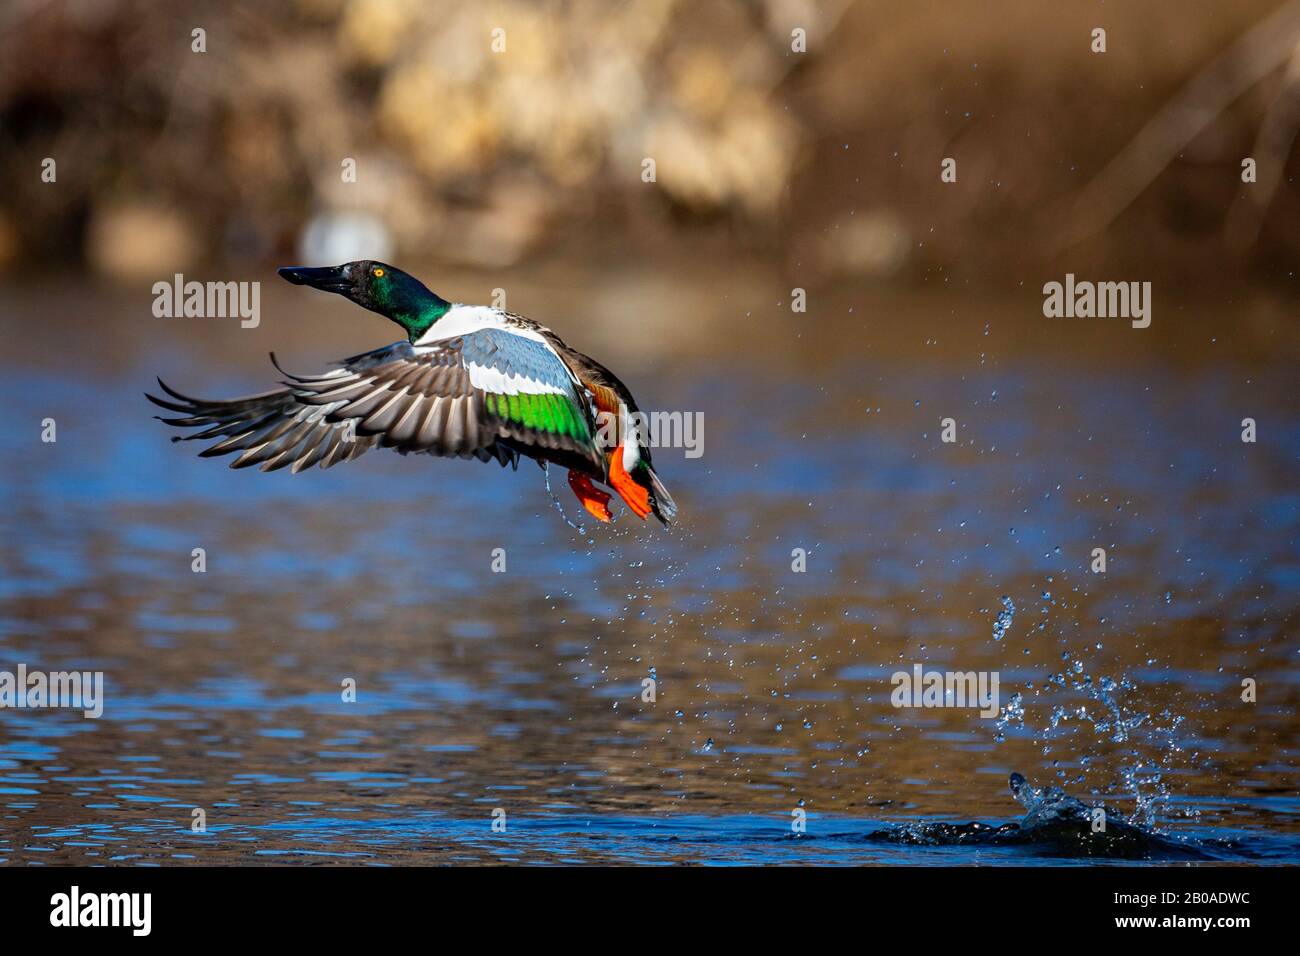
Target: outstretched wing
x=488 y=394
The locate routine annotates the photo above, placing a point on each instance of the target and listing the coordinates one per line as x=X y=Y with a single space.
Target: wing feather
x=490 y=394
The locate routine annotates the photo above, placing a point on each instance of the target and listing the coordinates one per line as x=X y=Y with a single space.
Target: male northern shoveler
x=469 y=382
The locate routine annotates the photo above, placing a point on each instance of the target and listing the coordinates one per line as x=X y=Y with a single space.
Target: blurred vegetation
x=825 y=161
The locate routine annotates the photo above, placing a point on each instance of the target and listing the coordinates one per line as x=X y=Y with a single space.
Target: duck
x=467 y=381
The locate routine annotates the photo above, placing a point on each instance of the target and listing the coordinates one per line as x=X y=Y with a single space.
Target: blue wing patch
x=502 y=362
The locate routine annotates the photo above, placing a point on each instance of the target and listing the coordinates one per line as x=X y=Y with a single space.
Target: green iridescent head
x=378 y=287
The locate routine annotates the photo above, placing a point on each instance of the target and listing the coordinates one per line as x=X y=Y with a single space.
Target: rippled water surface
x=522 y=692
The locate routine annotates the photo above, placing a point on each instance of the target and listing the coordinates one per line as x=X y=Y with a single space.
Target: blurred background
x=823 y=164
x=522 y=171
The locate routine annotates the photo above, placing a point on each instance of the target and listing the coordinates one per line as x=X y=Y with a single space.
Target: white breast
x=464 y=319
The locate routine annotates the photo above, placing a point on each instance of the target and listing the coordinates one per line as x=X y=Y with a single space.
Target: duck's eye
x=378 y=273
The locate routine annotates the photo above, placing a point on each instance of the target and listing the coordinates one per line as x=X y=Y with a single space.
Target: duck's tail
x=661 y=502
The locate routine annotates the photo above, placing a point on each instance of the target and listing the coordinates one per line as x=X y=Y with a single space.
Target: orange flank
x=636 y=497
x=593 y=499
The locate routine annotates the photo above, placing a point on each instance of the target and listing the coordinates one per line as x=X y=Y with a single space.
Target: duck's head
x=379 y=287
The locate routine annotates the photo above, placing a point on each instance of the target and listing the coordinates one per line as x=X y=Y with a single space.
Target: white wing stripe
x=494 y=380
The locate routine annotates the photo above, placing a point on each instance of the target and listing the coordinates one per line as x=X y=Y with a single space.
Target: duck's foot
x=633 y=495
x=593 y=499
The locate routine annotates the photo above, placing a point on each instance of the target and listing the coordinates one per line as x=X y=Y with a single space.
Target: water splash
x=1059 y=825
x=1005 y=616
x=1105 y=708
x=546 y=472
x=1013 y=713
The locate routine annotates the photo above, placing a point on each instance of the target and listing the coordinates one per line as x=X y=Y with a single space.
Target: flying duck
x=468 y=381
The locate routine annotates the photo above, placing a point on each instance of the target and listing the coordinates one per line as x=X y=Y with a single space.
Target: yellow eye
x=379 y=272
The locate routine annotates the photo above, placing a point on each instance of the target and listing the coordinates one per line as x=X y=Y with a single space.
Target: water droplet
x=1004 y=619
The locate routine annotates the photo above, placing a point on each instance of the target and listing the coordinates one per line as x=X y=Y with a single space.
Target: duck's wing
x=489 y=394
x=273 y=429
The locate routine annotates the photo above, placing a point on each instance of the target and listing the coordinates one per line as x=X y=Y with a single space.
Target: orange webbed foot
x=593 y=499
x=633 y=495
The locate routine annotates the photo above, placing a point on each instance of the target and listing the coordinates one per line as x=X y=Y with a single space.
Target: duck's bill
x=326 y=278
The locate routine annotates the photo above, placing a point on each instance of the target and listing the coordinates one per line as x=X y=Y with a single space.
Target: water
x=522 y=692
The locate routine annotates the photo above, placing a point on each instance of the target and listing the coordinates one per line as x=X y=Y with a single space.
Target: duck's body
x=469 y=381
